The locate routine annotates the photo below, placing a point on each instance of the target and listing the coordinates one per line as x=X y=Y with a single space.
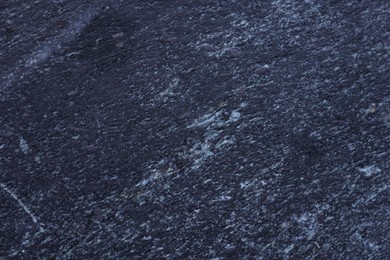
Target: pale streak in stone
x=52 y=45
x=22 y=205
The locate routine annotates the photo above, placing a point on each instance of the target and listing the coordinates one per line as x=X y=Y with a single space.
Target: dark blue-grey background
x=195 y=129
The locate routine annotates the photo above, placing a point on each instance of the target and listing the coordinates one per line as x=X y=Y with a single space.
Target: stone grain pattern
x=195 y=129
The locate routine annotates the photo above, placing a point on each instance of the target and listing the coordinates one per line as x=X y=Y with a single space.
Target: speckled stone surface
x=195 y=129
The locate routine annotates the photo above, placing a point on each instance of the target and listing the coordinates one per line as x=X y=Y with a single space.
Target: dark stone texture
x=195 y=129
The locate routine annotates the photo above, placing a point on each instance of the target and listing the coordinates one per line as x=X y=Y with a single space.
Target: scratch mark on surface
x=21 y=204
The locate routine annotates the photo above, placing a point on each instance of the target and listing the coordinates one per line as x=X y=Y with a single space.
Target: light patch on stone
x=207 y=181
x=201 y=153
x=153 y=173
x=206 y=120
x=37 y=159
x=169 y=91
x=308 y=224
x=23 y=146
x=229 y=40
x=118 y=35
x=214 y=124
x=369 y=170
x=52 y=45
x=235 y=116
x=224 y=143
x=371 y=196
x=245 y=184
x=224 y=198
x=289 y=248
x=154 y=176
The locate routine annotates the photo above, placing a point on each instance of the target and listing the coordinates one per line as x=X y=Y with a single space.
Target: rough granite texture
x=195 y=129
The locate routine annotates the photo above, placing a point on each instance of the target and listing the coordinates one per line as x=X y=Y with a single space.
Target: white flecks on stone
x=68 y=34
x=240 y=23
x=369 y=170
x=76 y=137
x=307 y=224
x=120 y=44
x=371 y=196
x=37 y=159
x=289 y=248
x=222 y=198
x=207 y=181
x=351 y=147
x=201 y=153
x=147 y=238
x=52 y=45
x=311 y=230
x=72 y=93
x=118 y=35
x=154 y=173
x=374 y=194
x=244 y=104
x=73 y=53
x=169 y=91
x=225 y=198
x=235 y=116
x=214 y=124
x=245 y=184
x=206 y=120
x=154 y=176
x=229 y=40
x=23 y=146
x=225 y=143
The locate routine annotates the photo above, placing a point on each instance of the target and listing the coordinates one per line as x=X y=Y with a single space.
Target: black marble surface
x=195 y=129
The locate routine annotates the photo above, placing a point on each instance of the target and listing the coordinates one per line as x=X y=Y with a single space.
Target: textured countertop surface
x=195 y=129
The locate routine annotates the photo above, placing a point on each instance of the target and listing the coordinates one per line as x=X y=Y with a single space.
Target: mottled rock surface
x=195 y=129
